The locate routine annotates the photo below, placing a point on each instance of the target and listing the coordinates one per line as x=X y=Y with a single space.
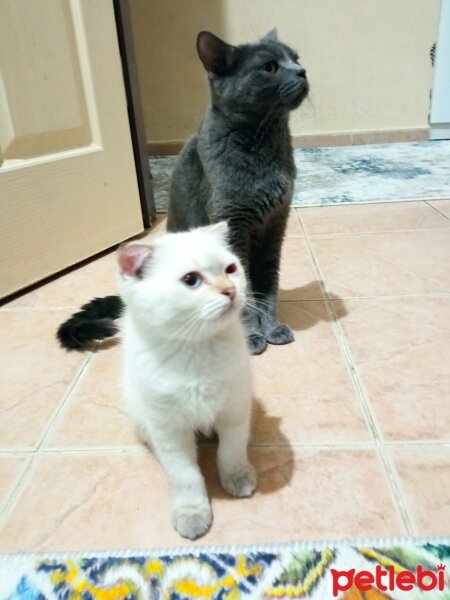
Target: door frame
x=135 y=113
x=440 y=95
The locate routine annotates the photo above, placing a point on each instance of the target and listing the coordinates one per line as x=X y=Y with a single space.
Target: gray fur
x=240 y=168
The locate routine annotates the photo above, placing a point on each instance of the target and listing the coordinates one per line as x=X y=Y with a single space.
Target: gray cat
x=238 y=168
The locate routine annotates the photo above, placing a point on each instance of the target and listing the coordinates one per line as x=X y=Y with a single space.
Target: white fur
x=187 y=367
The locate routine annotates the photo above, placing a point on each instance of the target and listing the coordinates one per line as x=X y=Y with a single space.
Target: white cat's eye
x=192 y=279
x=232 y=268
x=271 y=66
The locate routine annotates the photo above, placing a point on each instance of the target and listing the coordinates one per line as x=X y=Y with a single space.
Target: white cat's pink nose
x=230 y=292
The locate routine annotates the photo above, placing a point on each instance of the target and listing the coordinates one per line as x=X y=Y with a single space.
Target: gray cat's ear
x=219 y=230
x=271 y=35
x=215 y=54
x=133 y=258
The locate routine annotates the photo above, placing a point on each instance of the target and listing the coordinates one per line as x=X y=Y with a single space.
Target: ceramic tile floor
x=351 y=426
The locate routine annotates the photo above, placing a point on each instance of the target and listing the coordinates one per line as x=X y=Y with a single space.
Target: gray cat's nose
x=302 y=72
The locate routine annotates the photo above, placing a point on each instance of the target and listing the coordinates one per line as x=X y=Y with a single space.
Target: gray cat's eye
x=271 y=66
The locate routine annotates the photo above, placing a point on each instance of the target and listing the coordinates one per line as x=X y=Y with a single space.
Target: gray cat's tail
x=93 y=323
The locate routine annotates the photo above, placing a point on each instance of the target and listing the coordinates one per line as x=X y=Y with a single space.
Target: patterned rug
x=352 y=174
x=371 y=570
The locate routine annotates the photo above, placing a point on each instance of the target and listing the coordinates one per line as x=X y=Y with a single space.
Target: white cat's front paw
x=192 y=521
x=240 y=483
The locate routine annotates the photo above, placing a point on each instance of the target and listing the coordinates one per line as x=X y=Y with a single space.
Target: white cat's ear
x=215 y=54
x=271 y=35
x=219 y=230
x=133 y=258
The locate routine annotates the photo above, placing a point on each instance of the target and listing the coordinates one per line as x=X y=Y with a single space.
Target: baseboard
x=353 y=138
x=440 y=131
x=165 y=148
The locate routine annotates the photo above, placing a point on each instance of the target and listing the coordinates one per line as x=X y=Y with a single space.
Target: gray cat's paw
x=240 y=484
x=256 y=343
x=281 y=334
x=192 y=521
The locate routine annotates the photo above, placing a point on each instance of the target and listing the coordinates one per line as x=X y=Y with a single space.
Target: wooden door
x=68 y=186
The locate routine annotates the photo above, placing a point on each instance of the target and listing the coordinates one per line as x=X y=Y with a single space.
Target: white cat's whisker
x=258 y=301
x=257 y=294
x=215 y=310
x=257 y=309
x=187 y=327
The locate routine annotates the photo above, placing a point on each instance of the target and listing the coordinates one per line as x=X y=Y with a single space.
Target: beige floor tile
x=95 y=414
x=401 y=348
x=158 y=227
x=312 y=494
x=293 y=228
x=35 y=373
x=424 y=474
x=159 y=223
x=370 y=218
x=385 y=264
x=120 y=501
x=11 y=469
x=442 y=206
x=297 y=276
x=303 y=391
x=299 y=405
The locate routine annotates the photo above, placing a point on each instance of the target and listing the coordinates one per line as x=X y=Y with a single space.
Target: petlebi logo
x=389 y=580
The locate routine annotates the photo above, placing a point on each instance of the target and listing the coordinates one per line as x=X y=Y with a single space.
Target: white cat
x=187 y=366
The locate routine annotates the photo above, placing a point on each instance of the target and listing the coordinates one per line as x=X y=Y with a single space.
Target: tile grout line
x=19 y=309
x=28 y=460
x=389 y=470
x=411 y=525
x=436 y=209
x=340 y=338
x=380 y=232
x=423 y=232
x=65 y=400
x=443 y=295
x=137 y=448
x=369 y=202
x=362 y=394
x=21 y=482
x=9 y=503
x=391 y=473
x=7 y=308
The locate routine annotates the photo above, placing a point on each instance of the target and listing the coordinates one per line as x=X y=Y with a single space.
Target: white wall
x=367 y=60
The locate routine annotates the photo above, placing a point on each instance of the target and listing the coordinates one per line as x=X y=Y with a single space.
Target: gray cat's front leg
x=251 y=315
x=265 y=279
x=256 y=340
x=276 y=333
